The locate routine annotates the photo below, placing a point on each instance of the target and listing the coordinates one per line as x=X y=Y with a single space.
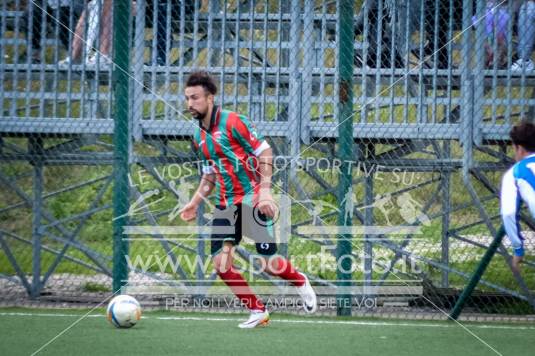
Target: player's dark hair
x=202 y=79
x=523 y=134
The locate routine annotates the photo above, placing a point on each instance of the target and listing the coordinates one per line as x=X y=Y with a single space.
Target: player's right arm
x=208 y=178
x=189 y=211
x=510 y=205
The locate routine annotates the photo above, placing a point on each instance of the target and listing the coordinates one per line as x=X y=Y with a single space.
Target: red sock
x=241 y=289
x=284 y=269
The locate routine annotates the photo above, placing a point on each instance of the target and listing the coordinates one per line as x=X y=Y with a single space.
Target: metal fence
x=435 y=87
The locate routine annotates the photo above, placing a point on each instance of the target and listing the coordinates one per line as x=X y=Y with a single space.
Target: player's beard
x=198 y=115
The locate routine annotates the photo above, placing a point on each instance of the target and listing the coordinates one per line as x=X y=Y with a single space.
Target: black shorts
x=242 y=220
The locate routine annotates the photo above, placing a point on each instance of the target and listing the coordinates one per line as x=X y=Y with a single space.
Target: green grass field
x=24 y=331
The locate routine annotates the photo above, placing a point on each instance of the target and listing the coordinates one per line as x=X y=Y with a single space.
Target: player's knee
x=222 y=270
x=222 y=263
x=217 y=263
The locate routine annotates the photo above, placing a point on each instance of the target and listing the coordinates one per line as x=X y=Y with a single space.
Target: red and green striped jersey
x=229 y=149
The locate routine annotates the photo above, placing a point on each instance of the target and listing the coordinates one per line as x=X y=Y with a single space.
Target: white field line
x=290 y=321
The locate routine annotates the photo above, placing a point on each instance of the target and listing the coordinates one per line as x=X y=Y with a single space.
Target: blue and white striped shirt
x=518 y=185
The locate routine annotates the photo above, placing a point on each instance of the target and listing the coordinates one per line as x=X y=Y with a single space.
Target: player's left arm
x=255 y=144
x=248 y=137
x=266 y=204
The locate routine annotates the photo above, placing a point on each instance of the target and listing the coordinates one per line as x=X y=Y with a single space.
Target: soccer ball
x=123 y=311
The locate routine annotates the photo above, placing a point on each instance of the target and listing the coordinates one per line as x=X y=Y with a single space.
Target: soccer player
x=518 y=185
x=237 y=161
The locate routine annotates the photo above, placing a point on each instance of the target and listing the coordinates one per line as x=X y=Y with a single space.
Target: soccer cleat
x=102 y=61
x=308 y=295
x=65 y=62
x=257 y=318
x=522 y=65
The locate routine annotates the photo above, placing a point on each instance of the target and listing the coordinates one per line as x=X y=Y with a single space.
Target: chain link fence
x=397 y=165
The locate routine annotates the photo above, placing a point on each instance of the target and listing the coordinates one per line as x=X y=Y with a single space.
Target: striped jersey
x=518 y=185
x=229 y=149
